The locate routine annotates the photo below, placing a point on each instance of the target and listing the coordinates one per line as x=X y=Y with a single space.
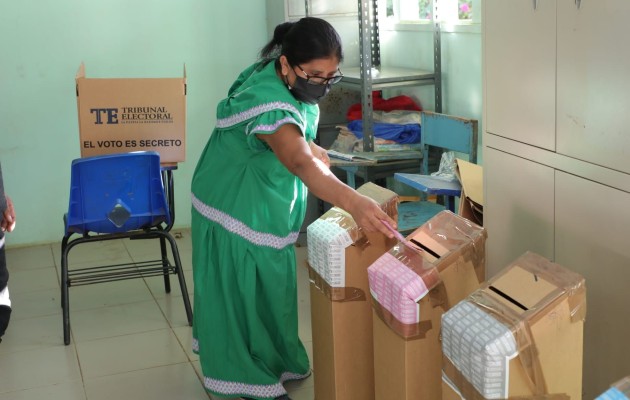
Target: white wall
x=412 y=46
x=43 y=43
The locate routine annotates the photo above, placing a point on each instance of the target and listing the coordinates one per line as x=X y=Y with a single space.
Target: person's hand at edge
x=8 y=218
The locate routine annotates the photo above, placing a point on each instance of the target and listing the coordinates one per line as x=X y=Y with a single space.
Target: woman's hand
x=320 y=153
x=368 y=215
x=8 y=218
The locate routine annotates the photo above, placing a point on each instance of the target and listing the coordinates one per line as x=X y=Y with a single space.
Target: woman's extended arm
x=295 y=153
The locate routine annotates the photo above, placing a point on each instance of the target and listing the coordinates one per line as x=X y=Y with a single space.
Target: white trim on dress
x=239 y=228
x=256 y=111
x=240 y=388
x=272 y=127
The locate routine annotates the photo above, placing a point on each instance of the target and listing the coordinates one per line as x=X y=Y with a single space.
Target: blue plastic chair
x=447 y=133
x=118 y=196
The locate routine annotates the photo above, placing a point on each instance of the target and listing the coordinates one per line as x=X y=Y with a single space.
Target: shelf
x=389 y=77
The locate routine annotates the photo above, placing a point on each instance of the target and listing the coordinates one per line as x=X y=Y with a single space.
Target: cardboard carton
x=471 y=199
x=123 y=115
x=341 y=313
x=519 y=336
x=450 y=261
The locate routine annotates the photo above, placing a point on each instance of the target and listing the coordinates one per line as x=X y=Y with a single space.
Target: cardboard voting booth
x=127 y=114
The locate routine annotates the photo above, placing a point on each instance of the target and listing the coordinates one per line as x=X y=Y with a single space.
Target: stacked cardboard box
x=519 y=335
x=339 y=254
x=446 y=265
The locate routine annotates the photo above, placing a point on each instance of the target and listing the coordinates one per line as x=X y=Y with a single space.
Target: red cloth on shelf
x=401 y=102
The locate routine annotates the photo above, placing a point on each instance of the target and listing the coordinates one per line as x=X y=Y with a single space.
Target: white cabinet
x=520 y=209
x=557 y=156
x=593 y=85
x=520 y=79
x=593 y=241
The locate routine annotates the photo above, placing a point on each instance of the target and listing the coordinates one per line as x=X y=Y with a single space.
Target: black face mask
x=307 y=93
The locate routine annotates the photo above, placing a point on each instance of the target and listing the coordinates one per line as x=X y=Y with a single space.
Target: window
x=422 y=10
x=465 y=10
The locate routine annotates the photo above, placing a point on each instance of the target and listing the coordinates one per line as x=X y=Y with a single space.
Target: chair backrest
x=450 y=133
x=116 y=193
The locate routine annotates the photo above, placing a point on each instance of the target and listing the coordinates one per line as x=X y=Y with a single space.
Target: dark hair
x=303 y=41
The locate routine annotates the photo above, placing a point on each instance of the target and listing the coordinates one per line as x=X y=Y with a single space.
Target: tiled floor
x=130 y=340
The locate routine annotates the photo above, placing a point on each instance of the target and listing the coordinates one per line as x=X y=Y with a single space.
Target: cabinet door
x=593 y=84
x=520 y=70
x=518 y=208
x=592 y=238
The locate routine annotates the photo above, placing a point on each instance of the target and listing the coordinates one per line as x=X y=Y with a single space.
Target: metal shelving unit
x=367 y=80
x=371 y=75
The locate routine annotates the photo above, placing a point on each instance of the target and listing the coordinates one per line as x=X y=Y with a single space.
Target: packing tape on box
x=568 y=283
x=469 y=392
x=457 y=237
x=391 y=208
x=327 y=240
x=398 y=280
x=336 y=294
x=406 y=331
x=387 y=200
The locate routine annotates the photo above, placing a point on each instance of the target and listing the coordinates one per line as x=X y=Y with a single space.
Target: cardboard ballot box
x=341 y=314
x=519 y=336
x=411 y=288
x=128 y=114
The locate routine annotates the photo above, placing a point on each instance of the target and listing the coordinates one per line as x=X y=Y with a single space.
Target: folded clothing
x=405 y=134
x=401 y=102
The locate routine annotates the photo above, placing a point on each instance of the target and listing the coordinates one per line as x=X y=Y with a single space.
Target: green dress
x=247 y=210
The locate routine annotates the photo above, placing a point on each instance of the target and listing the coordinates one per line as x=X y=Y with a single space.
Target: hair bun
x=280 y=32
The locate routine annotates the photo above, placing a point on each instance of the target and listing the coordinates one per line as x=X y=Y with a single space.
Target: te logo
x=111 y=115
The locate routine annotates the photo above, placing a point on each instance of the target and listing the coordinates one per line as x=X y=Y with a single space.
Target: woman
x=249 y=199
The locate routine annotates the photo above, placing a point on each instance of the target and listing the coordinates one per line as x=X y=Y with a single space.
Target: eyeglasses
x=318 y=80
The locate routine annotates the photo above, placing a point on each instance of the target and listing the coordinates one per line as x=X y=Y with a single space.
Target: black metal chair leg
x=64 y=244
x=65 y=303
x=180 y=275
x=165 y=265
